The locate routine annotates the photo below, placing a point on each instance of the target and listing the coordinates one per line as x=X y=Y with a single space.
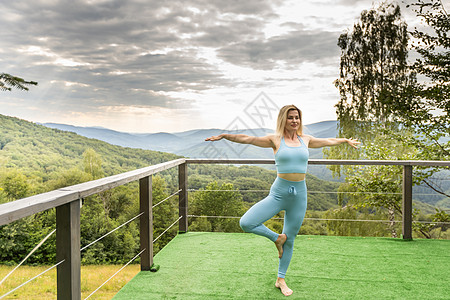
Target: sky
x=170 y=66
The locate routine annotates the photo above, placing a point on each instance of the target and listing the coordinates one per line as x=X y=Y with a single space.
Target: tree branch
x=434 y=189
x=15 y=82
x=443 y=8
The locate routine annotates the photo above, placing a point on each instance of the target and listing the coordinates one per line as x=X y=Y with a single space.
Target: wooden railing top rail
x=426 y=163
x=18 y=209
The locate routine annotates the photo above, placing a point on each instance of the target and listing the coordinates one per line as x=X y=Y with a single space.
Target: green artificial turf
x=244 y=266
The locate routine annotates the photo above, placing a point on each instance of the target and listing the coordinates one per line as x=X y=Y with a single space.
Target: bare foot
x=279 y=243
x=281 y=284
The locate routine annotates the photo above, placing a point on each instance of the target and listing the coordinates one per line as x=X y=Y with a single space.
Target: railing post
x=407 y=203
x=68 y=249
x=146 y=222
x=183 y=197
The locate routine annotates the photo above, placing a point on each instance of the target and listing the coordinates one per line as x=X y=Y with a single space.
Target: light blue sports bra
x=292 y=159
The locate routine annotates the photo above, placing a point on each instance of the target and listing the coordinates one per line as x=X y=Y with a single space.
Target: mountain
x=191 y=143
x=103 y=134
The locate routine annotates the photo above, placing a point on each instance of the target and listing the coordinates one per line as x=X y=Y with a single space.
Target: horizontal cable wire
x=194 y=190
x=217 y=217
x=428 y=222
x=111 y=231
x=1 y=297
x=177 y=192
x=354 y=220
x=167 y=229
x=320 y=219
x=312 y=192
x=29 y=254
x=313 y=219
x=114 y=274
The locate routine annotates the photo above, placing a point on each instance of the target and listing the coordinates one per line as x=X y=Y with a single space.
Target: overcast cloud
x=152 y=66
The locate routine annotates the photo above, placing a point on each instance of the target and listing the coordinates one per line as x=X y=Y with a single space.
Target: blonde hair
x=282 y=117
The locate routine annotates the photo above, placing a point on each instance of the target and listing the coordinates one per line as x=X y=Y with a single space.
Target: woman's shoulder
x=306 y=136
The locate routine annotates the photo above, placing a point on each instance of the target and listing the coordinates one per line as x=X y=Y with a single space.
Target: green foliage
x=361 y=227
x=164 y=215
x=103 y=213
x=314 y=226
x=435 y=229
x=217 y=200
x=68 y=177
x=20 y=237
x=92 y=163
x=376 y=187
x=14 y=184
x=321 y=194
x=7 y=82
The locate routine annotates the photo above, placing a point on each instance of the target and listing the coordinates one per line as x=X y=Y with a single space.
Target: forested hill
x=35 y=148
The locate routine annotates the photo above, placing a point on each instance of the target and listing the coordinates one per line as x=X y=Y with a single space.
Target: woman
x=288 y=192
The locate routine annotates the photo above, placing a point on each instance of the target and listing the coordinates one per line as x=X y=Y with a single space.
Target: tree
x=68 y=177
x=7 y=82
x=374 y=73
x=373 y=70
x=92 y=163
x=15 y=184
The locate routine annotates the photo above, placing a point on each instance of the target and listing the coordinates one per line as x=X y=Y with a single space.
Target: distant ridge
x=190 y=143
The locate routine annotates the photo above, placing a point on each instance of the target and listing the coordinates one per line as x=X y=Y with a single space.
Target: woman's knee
x=245 y=225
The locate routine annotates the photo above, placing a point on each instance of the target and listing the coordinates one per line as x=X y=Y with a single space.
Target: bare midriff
x=292 y=176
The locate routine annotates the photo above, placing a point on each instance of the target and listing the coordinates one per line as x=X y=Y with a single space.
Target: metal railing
x=67 y=202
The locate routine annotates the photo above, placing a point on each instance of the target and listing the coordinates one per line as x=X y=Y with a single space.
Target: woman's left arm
x=321 y=142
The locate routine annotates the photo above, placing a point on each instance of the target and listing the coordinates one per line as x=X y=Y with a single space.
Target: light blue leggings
x=286 y=195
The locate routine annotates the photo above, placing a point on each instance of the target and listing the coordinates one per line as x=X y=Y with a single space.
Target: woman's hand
x=214 y=138
x=353 y=142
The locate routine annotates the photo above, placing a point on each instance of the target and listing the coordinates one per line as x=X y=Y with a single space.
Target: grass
x=44 y=287
x=243 y=266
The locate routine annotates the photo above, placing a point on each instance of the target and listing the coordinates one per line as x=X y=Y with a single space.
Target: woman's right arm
x=265 y=141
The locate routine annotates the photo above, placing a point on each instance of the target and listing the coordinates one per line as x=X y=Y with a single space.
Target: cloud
x=112 y=44
x=287 y=51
